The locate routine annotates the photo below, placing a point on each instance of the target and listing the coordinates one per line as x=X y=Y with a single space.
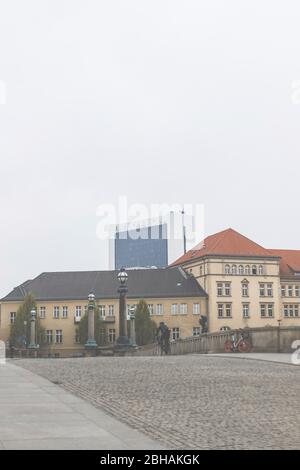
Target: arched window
x=247 y=269
x=233 y=269
x=241 y=269
x=261 y=270
x=227 y=269
x=254 y=269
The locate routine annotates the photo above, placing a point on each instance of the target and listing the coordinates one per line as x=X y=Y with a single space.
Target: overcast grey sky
x=163 y=101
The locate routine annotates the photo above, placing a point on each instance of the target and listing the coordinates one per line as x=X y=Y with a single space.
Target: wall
x=185 y=322
x=210 y=271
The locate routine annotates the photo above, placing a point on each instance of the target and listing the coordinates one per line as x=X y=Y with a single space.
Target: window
x=12 y=317
x=201 y=270
x=270 y=290
x=220 y=289
x=49 y=337
x=183 y=309
x=103 y=336
x=246 y=310
x=56 y=312
x=227 y=289
x=247 y=270
x=196 y=330
x=262 y=291
x=254 y=270
x=77 y=337
x=101 y=311
x=270 y=310
x=65 y=312
x=78 y=312
x=241 y=270
x=223 y=288
x=291 y=310
x=227 y=269
x=233 y=269
x=112 y=335
x=224 y=310
x=174 y=309
x=220 y=310
x=58 y=336
x=159 y=309
x=266 y=310
x=175 y=333
x=111 y=310
x=297 y=291
x=196 y=309
x=245 y=289
x=42 y=313
x=228 y=310
x=260 y=270
x=282 y=291
x=151 y=309
x=225 y=328
x=290 y=291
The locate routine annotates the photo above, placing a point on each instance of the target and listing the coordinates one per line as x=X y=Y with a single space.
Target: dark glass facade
x=143 y=247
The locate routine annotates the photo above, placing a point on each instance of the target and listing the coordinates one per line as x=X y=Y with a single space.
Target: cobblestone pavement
x=189 y=402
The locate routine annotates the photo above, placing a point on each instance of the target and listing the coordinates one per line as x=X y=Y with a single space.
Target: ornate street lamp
x=123 y=340
x=91 y=343
x=32 y=344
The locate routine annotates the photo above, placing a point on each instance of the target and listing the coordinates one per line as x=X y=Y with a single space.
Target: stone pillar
x=32 y=344
x=91 y=343
x=132 y=329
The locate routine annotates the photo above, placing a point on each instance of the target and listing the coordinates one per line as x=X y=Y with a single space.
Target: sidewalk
x=281 y=358
x=37 y=414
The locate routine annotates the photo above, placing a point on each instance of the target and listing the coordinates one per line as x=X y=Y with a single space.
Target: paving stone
x=188 y=402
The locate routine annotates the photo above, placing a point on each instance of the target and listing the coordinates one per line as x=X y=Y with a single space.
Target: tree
x=20 y=329
x=145 y=327
x=100 y=329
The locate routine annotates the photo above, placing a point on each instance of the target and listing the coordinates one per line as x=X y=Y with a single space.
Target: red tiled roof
x=290 y=262
x=227 y=242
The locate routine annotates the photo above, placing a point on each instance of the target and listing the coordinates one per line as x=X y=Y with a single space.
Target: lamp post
x=32 y=344
x=123 y=340
x=91 y=343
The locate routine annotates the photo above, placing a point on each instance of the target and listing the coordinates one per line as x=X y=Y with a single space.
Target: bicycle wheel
x=244 y=346
x=228 y=346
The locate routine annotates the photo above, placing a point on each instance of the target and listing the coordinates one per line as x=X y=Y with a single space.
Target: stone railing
x=267 y=339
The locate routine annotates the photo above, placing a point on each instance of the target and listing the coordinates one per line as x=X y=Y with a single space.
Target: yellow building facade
x=247 y=285
x=179 y=302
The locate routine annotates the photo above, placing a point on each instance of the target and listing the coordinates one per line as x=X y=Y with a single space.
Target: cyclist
x=163 y=337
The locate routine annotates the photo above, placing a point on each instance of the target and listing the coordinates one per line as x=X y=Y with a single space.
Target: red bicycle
x=237 y=344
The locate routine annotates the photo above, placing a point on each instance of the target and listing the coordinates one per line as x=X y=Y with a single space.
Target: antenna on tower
x=183 y=230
